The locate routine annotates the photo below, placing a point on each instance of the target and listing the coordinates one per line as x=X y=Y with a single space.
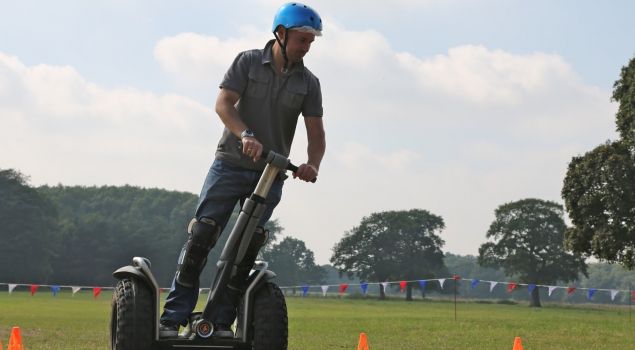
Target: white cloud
x=199 y=58
x=56 y=126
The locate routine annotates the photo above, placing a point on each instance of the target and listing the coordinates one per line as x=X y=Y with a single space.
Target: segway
x=262 y=312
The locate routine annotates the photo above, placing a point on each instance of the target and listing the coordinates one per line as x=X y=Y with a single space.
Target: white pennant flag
x=492 y=284
x=442 y=281
x=12 y=287
x=385 y=284
x=551 y=289
x=324 y=289
x=613 y=294
x=75 y=290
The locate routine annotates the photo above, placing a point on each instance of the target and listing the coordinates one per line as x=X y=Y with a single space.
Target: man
x=261 y=96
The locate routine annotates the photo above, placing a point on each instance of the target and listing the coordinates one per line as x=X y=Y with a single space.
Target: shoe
x=168 y=329
x=222 y=331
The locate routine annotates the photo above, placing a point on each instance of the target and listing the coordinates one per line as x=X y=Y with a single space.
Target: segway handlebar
x=279 y=160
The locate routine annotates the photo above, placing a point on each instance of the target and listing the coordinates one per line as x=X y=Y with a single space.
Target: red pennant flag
x=633 y=293
x=456 y=277
x=343 y=287
x=570 y=290
x=96 y=292
x=33 y=288
x=402 y=286
x=511 y=287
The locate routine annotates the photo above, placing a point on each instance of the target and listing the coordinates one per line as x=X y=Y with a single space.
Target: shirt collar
x=267 y=57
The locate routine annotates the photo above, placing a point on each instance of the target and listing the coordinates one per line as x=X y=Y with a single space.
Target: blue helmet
x=298 y=16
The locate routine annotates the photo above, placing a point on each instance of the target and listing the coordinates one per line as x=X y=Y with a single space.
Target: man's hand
x=306 y=172
x=252 y=148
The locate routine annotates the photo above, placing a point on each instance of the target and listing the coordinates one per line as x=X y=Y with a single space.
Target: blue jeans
x=225 y=185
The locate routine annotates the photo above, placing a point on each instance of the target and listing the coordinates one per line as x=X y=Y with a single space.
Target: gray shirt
x=269 y=103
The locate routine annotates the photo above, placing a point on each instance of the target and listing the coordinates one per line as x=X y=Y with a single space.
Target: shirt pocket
x=258 y=84
x=293 y=94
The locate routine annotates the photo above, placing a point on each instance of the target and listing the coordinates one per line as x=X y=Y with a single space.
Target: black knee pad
x=203 y=235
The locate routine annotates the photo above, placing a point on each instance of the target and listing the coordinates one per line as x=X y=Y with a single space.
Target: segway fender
x=131 y=271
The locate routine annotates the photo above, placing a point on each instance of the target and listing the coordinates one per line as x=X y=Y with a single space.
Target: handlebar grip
x=290 y=166
x=294 y=169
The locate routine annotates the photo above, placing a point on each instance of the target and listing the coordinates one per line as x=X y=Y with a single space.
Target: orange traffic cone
x=363 y=342
x=518 y=344
x=15 y=340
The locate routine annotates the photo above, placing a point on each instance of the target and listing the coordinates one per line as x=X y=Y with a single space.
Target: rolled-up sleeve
x=312 y=105
x=237 y=76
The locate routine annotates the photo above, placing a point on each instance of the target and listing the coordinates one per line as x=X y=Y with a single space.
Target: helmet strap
x=283 y=46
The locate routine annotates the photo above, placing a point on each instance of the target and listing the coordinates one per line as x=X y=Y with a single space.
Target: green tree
x=528 y=243
x=599 y=187
x=624 y=94
x=293 y=263
x=102 y=228
x=392 y=245
x=28 y=231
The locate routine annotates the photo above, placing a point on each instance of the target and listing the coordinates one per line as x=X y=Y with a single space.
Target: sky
x=454 y=106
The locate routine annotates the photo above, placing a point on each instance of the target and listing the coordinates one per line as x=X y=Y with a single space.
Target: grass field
x=81 y=322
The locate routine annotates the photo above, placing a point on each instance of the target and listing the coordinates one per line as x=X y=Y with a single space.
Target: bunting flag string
x=363 y=285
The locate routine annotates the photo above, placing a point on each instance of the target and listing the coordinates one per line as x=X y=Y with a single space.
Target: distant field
x=80 y=322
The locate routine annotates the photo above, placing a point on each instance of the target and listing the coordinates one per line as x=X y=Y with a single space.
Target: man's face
x=298 y=44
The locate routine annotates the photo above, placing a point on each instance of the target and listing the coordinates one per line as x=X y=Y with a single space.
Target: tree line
x=80 y=235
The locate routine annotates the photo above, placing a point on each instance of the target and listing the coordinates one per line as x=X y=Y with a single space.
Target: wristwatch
x=247 y=133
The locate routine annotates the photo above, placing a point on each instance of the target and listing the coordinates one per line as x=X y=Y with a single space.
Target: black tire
x=270 y=322
x=132 y=316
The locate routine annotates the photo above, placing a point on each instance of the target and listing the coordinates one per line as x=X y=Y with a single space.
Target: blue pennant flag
x=55 y=290
x=531 y=287
x=422 y=284
x=364 y=287
x=591 y=292
x=474 y=283
x=305 y=290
